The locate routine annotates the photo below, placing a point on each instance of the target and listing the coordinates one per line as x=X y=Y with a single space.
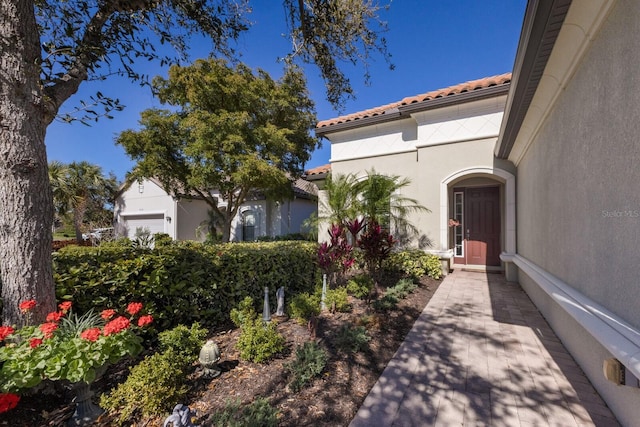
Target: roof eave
x=405 y=111
x=542 y=23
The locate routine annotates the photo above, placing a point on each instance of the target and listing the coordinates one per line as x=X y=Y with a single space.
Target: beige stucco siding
x=141 y=200
x=427 y=168
x=192 y=215
x=578 y=197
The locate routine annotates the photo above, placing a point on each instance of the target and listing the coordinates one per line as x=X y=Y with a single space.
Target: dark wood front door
x=482 y=226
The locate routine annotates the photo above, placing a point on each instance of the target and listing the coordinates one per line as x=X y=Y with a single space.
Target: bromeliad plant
x=67 y=346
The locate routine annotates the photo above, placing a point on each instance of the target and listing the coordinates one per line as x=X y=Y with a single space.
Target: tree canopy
x=229 y=129
x=50 y=47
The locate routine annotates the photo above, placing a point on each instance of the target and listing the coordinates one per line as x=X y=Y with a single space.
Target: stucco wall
x=429 y=147
x=578 y=197
x=294 y=213
x=150 y=198
x=426 y=168
x=191 y=214
x=262 y=214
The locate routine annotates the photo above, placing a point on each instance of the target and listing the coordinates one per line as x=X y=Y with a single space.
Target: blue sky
x=433 y=43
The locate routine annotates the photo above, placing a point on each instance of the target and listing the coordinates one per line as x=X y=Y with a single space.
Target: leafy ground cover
x=331 y=399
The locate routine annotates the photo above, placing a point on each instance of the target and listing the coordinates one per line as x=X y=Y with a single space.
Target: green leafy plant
x=152 y=387
x=309 y=363
x=351 y=339
x=303 y=306
x=402 y=289
x=386 y=303
x=433 y=267
x=184 y=282
x=338 y=299
x=143 y=239
x=159 y=380
x=67 y=347
x=162 y=239
x=415 y=264
x=360 y=286
x=258 y=342
x=258 y=413
x=183 y=341
x=243 y=312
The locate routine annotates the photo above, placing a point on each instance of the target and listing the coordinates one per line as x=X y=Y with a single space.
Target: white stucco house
x=146 y=205
x=541 y=169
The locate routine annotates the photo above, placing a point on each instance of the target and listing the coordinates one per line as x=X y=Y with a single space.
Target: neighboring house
x=549 y=193
x=443 y=141
x=145 y=205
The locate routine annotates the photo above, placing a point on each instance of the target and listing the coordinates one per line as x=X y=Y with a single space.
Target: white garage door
x=154 y=223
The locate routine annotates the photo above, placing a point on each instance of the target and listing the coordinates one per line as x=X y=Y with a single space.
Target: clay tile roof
x=469 y=86
x=304 y=188
x=318 y=170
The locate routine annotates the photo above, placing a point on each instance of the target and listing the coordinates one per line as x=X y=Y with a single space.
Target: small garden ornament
x=209 y=358
x=181 y=417
x=266 y=311
x=280 y=297
x=323 y=298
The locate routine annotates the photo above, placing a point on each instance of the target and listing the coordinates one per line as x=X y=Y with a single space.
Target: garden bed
x=331 y=400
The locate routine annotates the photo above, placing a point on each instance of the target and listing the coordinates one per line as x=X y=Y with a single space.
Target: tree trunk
x=226 y=227
x=78 y=218
x=26 y=213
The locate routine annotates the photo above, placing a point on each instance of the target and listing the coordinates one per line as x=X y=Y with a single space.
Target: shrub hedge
x=184 y=282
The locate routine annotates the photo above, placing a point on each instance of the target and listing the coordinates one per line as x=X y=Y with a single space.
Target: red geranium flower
x=65 y=306
x=8 y=401
x=27 y=305
x=117 y=325
x=34 y=342
x=54 y=316
x=5 y=331
x=107 y=314
x=91 y=334
x=48 y=329
x=145 y=320
x=134 y=307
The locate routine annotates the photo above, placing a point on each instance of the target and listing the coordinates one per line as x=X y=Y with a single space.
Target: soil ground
x=330 y=400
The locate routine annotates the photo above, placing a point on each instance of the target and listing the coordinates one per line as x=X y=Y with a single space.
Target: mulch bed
x=331 y=400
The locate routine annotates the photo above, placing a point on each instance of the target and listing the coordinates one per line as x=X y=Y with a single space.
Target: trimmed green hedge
x=183 y=282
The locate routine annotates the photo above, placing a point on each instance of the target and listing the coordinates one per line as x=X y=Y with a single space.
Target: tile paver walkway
x=482 y=355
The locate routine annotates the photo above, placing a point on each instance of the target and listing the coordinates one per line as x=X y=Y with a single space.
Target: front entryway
x=477 y=235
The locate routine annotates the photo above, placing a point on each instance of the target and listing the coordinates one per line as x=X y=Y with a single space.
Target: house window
x=458 y=215
x=248 y=226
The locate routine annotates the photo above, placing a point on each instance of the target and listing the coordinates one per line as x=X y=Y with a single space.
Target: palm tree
x=78 y=187
x=380 y=200
x=340 y=205
x=85 y=182
x=58 y=178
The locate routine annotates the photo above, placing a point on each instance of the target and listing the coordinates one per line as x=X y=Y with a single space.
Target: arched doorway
x=478 y=217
